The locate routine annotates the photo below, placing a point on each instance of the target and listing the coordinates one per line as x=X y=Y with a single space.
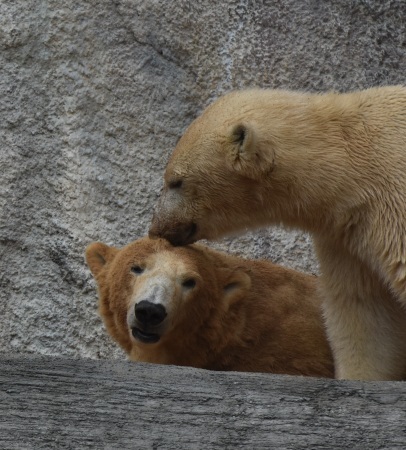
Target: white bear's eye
x=189 y=283
x=137 y=269
x=175 y=184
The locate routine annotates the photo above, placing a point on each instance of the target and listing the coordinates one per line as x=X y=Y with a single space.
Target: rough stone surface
x=57 y=403
x=93 y=97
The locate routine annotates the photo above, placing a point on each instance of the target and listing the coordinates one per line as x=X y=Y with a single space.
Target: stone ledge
x=59 y=403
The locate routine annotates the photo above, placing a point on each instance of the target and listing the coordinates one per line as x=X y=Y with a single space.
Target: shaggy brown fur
x=223 y=312
x=333 y=165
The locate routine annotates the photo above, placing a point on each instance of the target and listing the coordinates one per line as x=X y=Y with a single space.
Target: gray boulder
x=93 y=97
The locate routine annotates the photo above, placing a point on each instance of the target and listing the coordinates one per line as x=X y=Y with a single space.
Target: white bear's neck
x=329 y=163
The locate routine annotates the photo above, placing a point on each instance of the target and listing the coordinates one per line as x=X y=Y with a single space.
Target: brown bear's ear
x=235 y=282
x=247 y=156
x=98 y=255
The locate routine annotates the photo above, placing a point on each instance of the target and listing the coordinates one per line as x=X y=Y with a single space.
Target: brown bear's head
x=149 y=288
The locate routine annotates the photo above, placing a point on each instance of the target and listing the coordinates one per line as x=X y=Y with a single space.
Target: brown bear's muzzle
x=148 y=318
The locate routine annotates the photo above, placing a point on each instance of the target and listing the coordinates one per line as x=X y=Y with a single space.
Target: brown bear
x=194 y=306
x=331 y=164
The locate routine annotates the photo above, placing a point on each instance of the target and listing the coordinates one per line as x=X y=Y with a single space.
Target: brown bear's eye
x=189 y=283
x=175 y=184
x=137 y=269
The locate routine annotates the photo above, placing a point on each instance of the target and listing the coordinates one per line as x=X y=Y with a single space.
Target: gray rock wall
x=93 y=97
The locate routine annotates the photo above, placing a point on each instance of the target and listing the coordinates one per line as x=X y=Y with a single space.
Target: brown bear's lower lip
x=146 y=338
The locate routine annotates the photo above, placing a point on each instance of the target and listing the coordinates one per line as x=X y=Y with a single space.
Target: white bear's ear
x=243 y=136
x=98 y=255
x=235 y=283
x=247 y=156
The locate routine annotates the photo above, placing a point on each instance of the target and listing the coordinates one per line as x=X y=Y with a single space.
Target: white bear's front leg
x=366 y=326
x=367 y=342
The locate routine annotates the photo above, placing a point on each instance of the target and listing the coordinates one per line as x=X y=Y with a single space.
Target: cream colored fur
x=331 y=164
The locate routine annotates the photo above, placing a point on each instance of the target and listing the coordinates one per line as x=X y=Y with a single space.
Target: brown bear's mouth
x=146 y=338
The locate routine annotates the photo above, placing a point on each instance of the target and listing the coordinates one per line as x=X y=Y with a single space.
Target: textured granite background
x=94 y=95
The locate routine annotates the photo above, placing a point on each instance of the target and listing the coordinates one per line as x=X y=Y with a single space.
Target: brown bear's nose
x=149 y=314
